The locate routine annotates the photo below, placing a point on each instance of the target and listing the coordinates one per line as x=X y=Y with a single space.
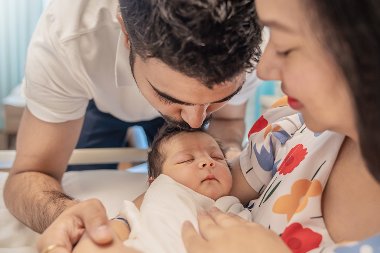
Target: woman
x=326 y=53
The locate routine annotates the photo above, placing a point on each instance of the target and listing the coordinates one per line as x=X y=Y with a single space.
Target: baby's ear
x=150 y=180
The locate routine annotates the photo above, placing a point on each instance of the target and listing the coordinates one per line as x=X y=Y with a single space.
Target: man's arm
x=33 y=192
x=228 y=126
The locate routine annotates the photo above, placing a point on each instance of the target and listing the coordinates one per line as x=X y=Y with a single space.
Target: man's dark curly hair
x=156 y=156
x=210 y=40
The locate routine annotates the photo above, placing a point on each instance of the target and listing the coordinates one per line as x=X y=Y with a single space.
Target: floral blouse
x=289 y=166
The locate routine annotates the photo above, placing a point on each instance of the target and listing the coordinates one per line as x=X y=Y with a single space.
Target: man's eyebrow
x=177 y=101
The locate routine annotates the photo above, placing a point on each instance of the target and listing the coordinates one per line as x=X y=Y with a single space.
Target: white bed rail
x=87 y=156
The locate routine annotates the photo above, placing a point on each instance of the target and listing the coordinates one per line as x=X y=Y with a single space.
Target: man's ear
x=127 y=43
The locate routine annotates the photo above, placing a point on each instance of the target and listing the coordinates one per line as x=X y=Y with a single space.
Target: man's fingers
x=95 y=221
x=60 y=236
x=192 y=240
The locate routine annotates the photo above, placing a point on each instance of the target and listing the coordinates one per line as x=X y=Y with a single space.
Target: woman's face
x=309 y=76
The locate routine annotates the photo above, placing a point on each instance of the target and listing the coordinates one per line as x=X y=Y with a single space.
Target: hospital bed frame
x=87 y=156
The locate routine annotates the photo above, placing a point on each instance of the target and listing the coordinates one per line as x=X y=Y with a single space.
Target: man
x=182 y=59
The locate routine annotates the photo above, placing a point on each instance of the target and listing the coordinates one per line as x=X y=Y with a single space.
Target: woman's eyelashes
x=284 y=53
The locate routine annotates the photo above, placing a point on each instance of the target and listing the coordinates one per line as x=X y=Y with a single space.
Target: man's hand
x=220 y=232
x=68 y=228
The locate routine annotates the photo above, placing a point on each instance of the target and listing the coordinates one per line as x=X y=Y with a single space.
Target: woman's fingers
x=225 y=219
x=192 y=240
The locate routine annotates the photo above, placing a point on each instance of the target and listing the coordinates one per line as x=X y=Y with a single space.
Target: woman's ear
x=127 y=43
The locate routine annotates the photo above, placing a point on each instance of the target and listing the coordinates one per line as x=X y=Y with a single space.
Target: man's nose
x=194 y=115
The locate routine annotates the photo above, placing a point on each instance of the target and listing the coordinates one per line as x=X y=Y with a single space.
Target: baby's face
x=196 y=161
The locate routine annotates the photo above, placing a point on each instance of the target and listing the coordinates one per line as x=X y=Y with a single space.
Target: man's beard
x=184 y=125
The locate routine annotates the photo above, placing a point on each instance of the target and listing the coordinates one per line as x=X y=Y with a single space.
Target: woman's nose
x=268 y=67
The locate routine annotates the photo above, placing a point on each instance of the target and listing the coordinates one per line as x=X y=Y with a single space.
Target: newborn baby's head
x=192 y=158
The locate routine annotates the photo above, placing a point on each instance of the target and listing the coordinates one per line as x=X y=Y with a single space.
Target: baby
x=188 y=172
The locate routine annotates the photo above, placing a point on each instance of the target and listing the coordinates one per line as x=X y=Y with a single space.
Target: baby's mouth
x=209 y=177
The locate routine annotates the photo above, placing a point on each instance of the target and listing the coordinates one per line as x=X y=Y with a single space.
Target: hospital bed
x=110 y=186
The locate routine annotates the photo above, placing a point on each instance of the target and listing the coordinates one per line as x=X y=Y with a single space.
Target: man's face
x=181 y=100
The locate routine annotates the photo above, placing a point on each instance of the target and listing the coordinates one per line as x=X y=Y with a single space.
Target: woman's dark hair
x=156 y=156
x=350 y=30
x=210 y=40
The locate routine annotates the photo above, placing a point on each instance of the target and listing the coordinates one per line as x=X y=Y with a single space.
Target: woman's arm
x=220 y=232
x=240 y=188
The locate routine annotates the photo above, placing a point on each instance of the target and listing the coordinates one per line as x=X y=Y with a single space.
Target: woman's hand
x=220 y=232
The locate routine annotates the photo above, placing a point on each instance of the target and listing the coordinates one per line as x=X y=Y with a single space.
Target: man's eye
x=164 y=100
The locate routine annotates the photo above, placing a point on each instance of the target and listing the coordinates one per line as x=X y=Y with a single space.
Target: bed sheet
x=110 y=186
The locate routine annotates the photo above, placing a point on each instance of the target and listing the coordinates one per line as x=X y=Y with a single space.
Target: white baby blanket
x=167 y=204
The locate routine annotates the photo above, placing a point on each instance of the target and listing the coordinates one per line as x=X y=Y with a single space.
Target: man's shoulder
x=72 y=18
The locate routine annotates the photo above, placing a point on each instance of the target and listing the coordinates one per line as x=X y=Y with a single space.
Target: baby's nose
x=206 y=164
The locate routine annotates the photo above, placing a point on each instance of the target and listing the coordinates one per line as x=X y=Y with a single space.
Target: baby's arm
x=240 y=187
x=121 y=231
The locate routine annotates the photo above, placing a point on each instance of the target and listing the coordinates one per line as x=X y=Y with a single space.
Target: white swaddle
x=167 y=204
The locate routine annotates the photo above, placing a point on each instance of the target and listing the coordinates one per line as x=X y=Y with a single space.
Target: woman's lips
x=294 y=103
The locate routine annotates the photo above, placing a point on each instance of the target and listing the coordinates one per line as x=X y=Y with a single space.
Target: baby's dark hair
x=156 y=157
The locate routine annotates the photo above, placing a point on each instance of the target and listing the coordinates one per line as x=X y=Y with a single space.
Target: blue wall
x=17 y=22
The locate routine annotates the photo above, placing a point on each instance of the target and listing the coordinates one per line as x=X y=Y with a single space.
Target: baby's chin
x=214 y=193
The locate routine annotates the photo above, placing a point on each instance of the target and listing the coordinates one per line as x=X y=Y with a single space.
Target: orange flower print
x=280 y=102
x=271 y=128
x=297 y=200
x=259 y=125
x=295 y=156
x=300 y=239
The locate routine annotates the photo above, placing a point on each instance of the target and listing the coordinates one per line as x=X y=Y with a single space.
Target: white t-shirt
x=77 y=53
